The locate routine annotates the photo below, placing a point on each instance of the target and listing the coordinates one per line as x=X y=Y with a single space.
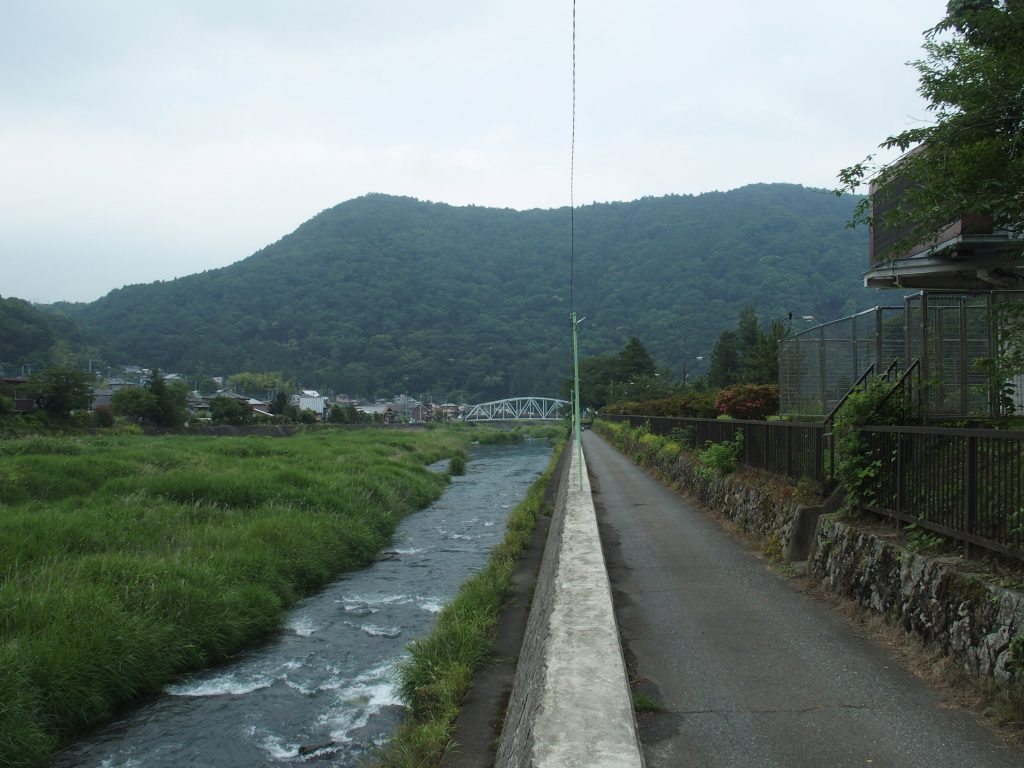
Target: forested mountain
x=32 y=338
x=387 y=294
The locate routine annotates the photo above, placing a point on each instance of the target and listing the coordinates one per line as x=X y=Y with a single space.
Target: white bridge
x=517 y=408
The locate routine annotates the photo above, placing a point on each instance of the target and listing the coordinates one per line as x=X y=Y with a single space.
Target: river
x=323 y=692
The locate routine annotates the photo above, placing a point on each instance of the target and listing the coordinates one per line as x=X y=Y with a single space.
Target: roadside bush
x=720 y=458
x=699 y=405
x=748 y=401
x=857 y=464
x=623 y=407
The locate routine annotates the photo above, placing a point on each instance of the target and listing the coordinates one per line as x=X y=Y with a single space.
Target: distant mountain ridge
x=391 y=294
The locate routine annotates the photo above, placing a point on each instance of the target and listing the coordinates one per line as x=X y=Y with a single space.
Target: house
x=448 y=412
x=411 y=409
x=15 y=388
x=937 y=336
x=386 y=412
x=969 y=254
x=311 y=400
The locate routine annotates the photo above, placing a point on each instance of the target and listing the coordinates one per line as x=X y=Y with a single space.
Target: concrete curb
x=570 y=703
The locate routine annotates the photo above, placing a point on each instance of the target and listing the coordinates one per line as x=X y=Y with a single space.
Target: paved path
x=751 y=672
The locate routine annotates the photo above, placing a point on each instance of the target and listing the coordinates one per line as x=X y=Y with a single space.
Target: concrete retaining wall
x=570 y=703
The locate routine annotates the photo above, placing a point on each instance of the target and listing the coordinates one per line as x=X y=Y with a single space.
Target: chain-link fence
x=818 y=366
x=947 y=333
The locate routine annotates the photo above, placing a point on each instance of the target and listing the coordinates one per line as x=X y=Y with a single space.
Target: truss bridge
x=519 y=409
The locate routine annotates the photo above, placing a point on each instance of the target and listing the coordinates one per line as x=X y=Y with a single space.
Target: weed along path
x=323 y=692
x=749 y=671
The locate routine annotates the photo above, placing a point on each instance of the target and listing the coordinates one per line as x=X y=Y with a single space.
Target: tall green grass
x=439 y=669
x=126 y=560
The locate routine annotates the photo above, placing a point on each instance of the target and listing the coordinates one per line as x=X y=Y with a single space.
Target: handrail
x=863 y=377
x=897 y=385
x=829 y=421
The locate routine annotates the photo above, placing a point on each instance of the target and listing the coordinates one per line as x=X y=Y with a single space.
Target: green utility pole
x=576 y=424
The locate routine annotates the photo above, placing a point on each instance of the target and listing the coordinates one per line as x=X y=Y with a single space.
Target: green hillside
x=33 y=337
x=389 y=294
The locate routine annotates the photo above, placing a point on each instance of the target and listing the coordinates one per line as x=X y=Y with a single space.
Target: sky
x=144 y=140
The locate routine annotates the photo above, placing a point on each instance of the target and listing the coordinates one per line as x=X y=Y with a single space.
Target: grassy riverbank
x=127 y=560
x=439 y=670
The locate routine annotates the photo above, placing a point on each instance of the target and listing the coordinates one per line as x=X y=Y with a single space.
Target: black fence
x=794 y=449
x=964 y=483
x=967 y=484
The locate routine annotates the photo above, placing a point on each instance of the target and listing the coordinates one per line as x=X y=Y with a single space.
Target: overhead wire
x=572 y=177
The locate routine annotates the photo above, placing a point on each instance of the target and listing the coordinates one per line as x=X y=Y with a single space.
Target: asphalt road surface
x=750 y=671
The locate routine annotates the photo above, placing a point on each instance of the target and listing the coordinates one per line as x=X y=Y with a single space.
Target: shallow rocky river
x=324 y=691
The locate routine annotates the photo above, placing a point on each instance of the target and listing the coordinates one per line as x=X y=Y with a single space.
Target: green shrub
x=688 y=404
x=457 y=464
x=104 y=416
x=720 y=458
x=857 y=463
x=748 y=401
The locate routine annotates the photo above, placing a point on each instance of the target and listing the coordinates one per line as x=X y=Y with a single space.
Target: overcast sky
x=144 y=140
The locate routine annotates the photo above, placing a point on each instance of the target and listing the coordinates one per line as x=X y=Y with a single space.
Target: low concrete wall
x=980 y=624
x=570 y=703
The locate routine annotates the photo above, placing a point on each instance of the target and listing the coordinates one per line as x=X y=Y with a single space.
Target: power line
x=572 y=176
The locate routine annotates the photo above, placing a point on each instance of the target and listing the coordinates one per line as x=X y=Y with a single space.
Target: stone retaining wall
x=980 y=624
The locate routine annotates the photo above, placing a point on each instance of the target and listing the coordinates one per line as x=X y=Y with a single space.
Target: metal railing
x=793 y=449
x=967 y=484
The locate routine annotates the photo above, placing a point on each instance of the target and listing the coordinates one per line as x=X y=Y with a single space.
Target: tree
x=279 y=403
x=725 y=360
x=59 y=391
x=133 y=402
x=168 y=401
x=634 y=359
x=613 y=378
x=206 y=386
x=971 y=158
x=258 y=383
x=228 y=410
x=758 y=358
